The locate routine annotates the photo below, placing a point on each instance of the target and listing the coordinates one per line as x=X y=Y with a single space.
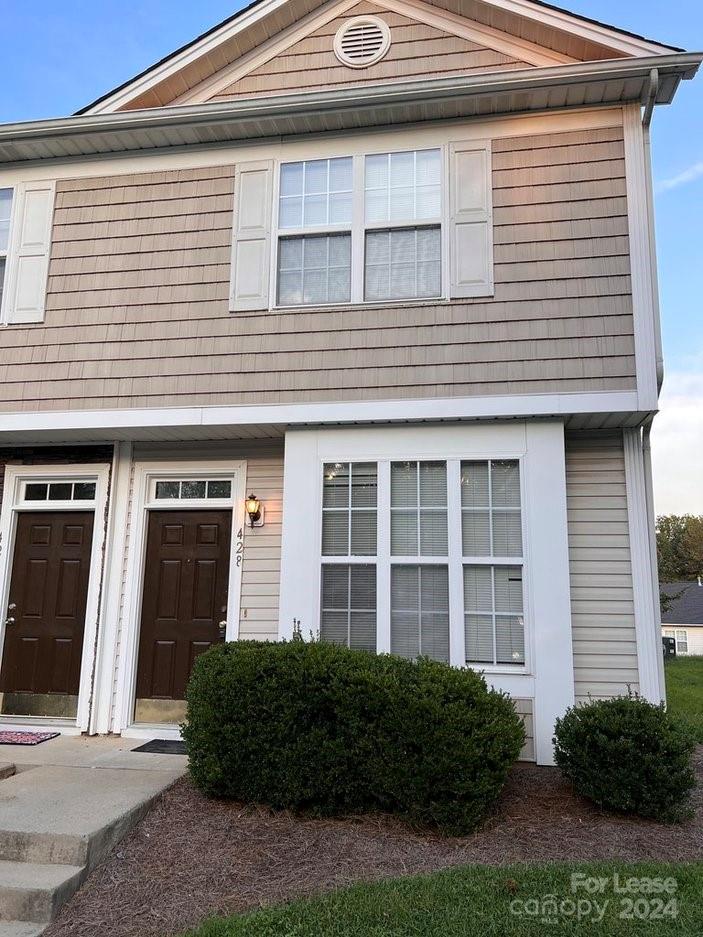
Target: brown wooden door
x=41 y=662
x=186 y=577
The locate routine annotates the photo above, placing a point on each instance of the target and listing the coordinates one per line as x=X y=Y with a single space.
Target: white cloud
x=677 y=446
x=683 y=178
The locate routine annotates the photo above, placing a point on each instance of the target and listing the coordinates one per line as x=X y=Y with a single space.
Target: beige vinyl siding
x=417 y=51
x=525 y=709
x=261 y=566
x=137 y=305
x=604 y=638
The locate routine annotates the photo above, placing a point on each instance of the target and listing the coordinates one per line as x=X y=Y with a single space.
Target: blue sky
x=57 y=57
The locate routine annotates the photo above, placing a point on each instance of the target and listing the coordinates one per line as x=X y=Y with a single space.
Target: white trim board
x=145 y=472
x=489 y=127
x=548 y=676
x=549 y=17
x=15 y=476
x=443 y=408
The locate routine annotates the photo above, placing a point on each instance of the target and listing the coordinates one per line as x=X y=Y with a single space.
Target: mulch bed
x=192 y=857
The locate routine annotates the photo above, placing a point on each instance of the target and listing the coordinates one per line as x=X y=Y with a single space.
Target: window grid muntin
x=455 y=562
x=358 y=228
x=304 y=271
x=350 y=610
x=495 y=615
x=428 y=558
x=33 y=496
x=417 y=264
x=350 y=509
x=492 y=509
x=177 y=486
x=422 y=614
x=328 y=191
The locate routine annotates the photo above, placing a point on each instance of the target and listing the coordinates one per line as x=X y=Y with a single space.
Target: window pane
x=5 y=211
x=84 y=491
x=403 y=186
x=349 y=606
x=335 y=587
x=334 y=627
x=219 y=489
x=363 y=533
x=478 y=638
x=433 y=484
x=60 y=491
x=364 y=485
x=314 y=269
x=478 y=589
x=36 y=492
x=508 y=589
x=404 y=533
x=335 y=533
x=335 y=486
x=193 y=489
x=433 y=533
x=2 y=275
x=474 y=484
x=510 y=640
x=404 y=484
x=315 y=192
x=505 y=484
x=362 y=631
x=420 y=611
x=507 y=534
x=395 y=266
x=167 y=490
x=475 y=533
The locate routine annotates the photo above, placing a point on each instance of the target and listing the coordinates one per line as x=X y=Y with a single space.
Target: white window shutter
x=251 y=237
x=471 y=219
x=29 y=252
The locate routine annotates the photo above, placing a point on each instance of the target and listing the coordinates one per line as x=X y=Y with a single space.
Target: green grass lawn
x=478 y=901
x=684 y=691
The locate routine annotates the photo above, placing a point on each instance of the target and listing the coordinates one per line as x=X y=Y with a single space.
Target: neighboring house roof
x=687 y=605
x=230 y=36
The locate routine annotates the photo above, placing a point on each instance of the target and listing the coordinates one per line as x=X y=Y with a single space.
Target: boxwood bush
x=319 y=727
x=627 y=755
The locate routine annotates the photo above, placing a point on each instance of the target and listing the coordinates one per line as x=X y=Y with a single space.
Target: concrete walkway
x=63 y=805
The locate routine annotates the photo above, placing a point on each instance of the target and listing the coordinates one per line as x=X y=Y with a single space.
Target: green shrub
x=627 y=755
x=319 y=727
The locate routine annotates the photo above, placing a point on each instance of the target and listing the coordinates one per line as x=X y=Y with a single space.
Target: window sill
x=402 y=303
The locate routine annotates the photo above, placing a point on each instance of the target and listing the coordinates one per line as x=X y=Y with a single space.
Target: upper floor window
x=360 y=229
x=5 y=214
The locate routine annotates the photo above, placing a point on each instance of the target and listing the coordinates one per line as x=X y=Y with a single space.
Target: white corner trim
x=643 y=279
x=143 y=475
x=106 y=648
x=647 y=627
x=15 y=475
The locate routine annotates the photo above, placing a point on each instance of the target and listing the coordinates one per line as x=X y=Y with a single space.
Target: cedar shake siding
x=311 y=65
x=602 y=604
x=137 y=311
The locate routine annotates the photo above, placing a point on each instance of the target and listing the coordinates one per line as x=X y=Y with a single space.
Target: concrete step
x=6 y=771
x=21 y=929
x=72 y=816
x=34 y=892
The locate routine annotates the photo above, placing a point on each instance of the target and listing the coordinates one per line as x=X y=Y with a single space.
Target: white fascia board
x=593 y=32
x=305 y=414
x=190 y=54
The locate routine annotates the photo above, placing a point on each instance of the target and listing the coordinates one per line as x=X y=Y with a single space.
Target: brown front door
x=41 y=661
x=186 y=576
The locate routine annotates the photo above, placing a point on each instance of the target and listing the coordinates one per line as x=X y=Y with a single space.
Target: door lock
x=223 y=628
x=10 y=620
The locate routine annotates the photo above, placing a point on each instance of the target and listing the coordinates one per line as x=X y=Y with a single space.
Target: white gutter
x=678 y=66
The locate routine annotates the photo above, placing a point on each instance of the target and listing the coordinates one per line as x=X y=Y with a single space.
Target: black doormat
x=162 y=747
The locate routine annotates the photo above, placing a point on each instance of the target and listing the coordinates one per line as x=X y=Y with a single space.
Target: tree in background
x=680 y=547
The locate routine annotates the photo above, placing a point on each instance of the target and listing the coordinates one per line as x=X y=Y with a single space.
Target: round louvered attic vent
x=362 y=41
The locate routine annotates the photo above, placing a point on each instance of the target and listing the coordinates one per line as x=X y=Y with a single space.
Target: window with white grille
x=425 y=557
x=5 y=213
x=362 y=41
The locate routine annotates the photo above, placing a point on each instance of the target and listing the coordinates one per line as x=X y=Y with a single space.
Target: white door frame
x=145 y=474
x=12 y=505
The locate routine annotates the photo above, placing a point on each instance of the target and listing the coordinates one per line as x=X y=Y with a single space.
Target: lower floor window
x=349 y=605
x=420 y=611
x=494 y=628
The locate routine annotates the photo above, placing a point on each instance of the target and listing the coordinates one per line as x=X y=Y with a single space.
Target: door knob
x=10 y=620
x=223 y=628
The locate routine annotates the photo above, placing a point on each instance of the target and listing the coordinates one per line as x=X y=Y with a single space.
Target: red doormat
x=26 y=738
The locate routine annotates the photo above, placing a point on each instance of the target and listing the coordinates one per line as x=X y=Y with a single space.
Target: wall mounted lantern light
x=255 y=511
